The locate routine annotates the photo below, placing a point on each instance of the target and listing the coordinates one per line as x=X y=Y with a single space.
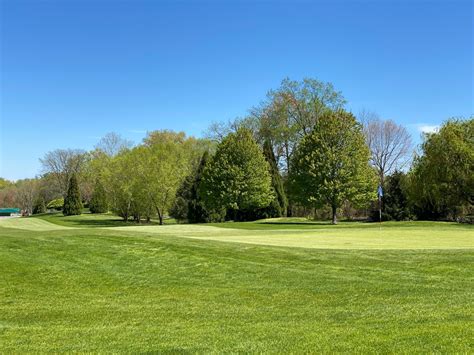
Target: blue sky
x=72 y=71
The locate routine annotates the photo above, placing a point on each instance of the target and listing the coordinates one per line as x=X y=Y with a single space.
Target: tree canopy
x=389 y=143
x=237 y=178
x=331 y=164
x=62 y=164
x=296 y=153
x=442 y=179
x=165 y=161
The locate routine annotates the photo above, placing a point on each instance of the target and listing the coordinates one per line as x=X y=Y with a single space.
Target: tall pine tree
x=72 y=202
x=196 y=211
x=395 y=199
x=280 y=195
x=188 y=204
x=40 y=205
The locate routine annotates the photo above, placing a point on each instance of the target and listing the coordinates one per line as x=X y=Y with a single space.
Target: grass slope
x=284 y=232
x=123 y=289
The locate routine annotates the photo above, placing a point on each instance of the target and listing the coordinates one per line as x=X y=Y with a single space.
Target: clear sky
x=72 y=71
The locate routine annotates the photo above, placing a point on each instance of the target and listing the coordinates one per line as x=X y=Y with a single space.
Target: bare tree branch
x=62 y=164
x=390 y=144
x=112 y=144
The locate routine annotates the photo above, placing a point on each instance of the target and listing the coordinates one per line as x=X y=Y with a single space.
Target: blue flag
x=380 y=191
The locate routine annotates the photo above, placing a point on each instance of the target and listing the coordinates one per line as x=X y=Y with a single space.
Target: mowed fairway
x=91 y=284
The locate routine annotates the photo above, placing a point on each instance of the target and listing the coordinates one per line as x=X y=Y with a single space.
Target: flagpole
x=380 y=194
x=380 y=209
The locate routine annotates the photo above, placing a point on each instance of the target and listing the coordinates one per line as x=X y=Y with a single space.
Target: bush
x=56 y=204
x=216 y=216
x=271 y=211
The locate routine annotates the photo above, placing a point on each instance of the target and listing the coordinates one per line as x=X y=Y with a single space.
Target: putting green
x=32 y=224
x=361 y=236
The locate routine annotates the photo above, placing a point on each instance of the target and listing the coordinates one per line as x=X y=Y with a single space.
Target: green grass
x=73 y=285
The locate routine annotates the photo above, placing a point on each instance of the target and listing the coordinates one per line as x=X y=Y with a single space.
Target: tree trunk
x=334 y=214
x=160 y=216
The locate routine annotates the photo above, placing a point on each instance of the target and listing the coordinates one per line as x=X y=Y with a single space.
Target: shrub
x=56 y=204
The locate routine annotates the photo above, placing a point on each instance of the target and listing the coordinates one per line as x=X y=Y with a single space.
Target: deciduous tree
x=291 y=111
x=237 y=177
x=442 y=178
x=165 y=160
x=98 y=202
x=63 y=164
x=331 y=164
x=390 y=144
x=112 y=143
x=119 y=174
x=27 y=194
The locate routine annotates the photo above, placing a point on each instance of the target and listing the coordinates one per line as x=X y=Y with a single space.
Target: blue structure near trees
x=9 y=211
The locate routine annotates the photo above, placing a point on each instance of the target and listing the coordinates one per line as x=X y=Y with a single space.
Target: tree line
x=297 y=153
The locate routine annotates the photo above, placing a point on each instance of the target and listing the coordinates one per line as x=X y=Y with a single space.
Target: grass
x=72 y=286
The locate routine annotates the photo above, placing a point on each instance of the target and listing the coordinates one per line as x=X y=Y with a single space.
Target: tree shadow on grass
x=93 y=221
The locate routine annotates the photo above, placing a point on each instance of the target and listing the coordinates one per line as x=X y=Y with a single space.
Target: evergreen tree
x=331 y=165
x=278 y=208
x=237 y=178
x=179 y=210
x=395 y=201
x=98 y=203
x=40 y=205
x=72 y=202
x=188 y=205
x=196 y=210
